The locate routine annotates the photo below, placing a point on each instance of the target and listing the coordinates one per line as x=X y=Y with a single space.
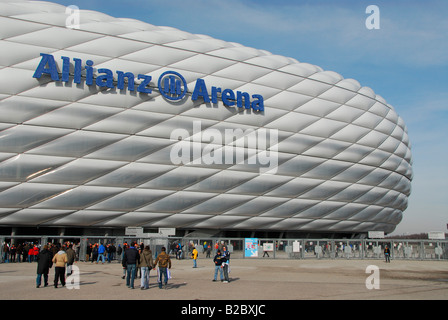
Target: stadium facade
x=118 y=123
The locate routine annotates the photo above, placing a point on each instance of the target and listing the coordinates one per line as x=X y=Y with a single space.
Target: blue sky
x=405 y=62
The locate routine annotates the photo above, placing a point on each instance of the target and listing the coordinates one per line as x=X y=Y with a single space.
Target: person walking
x=35 y=252
x=178 y=251
x=218 y=260
x=119 y=252
x=12 y=253
x=71 y=255
x=130 y=260
x=19 y=252
x=88 y=252
x=101 y=252
x=194 y=256
x=94 y=252
x=145 y=265
x=5 y=252
x=164 y=262
x=25 y=250
x=387 y=254
x=30 y=254
x=111 y=252
x=216 y=247
x=226 y=264
x=59 y=260
x=44 y=263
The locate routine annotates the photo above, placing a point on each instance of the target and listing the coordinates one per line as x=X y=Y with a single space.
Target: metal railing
x=259 y=248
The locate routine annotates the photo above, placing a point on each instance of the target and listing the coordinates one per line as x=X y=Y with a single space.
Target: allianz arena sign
x=172 y=85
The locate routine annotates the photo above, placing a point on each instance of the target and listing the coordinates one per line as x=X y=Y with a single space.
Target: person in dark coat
x=44 y=264
x=130 y=260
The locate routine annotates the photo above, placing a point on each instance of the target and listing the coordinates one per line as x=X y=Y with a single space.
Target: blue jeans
x=130 y=275
x=220 y=273
x=39 y=279
x=225 y=269
x=195 y=264
x=162 y=273
x=100 y=255
x=144 y=283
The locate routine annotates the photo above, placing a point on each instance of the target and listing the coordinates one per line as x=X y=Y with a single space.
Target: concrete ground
x=251 y=279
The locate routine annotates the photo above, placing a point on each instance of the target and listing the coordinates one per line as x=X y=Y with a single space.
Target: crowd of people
x=98 y=251
x=23 y=252
x=137 y=260
x=61 y=256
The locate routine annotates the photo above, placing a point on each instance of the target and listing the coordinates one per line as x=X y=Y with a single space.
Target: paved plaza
x=251 y=279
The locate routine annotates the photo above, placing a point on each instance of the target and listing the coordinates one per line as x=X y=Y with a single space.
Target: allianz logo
x=171 y=85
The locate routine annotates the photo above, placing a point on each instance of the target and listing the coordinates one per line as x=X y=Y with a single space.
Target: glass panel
x=78 y=144
x=131 y=175
x=23 y=138
x=79 y=171
x=25 y=167
x=130 y=149
x=79 y=198
x=25 y=195
x=179 y=178
x=131 y=200
x=75 y=115
x=177 y=202
x=222 y=181
x=219 y=204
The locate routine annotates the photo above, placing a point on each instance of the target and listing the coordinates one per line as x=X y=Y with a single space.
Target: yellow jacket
x=195 y=253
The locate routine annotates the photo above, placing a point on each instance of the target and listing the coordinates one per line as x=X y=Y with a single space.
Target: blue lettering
x=239 y=100
x=200 y=90
x=215 y=92
x=89 y=72
x=172 y=83
x=105 y=80
x=258 y=104
x=51 y=70
x=65 y=68
x=242 y=99
x=120 y=81
x=77 y=73
x=145 y=82
x=228 y=97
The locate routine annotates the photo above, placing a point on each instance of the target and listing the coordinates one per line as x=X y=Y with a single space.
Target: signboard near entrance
x=167 y=231
x=376 y=234
x=268 y=247
x=296 y=246
x=251 y=247
x=436 y=235
x=134 y=231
